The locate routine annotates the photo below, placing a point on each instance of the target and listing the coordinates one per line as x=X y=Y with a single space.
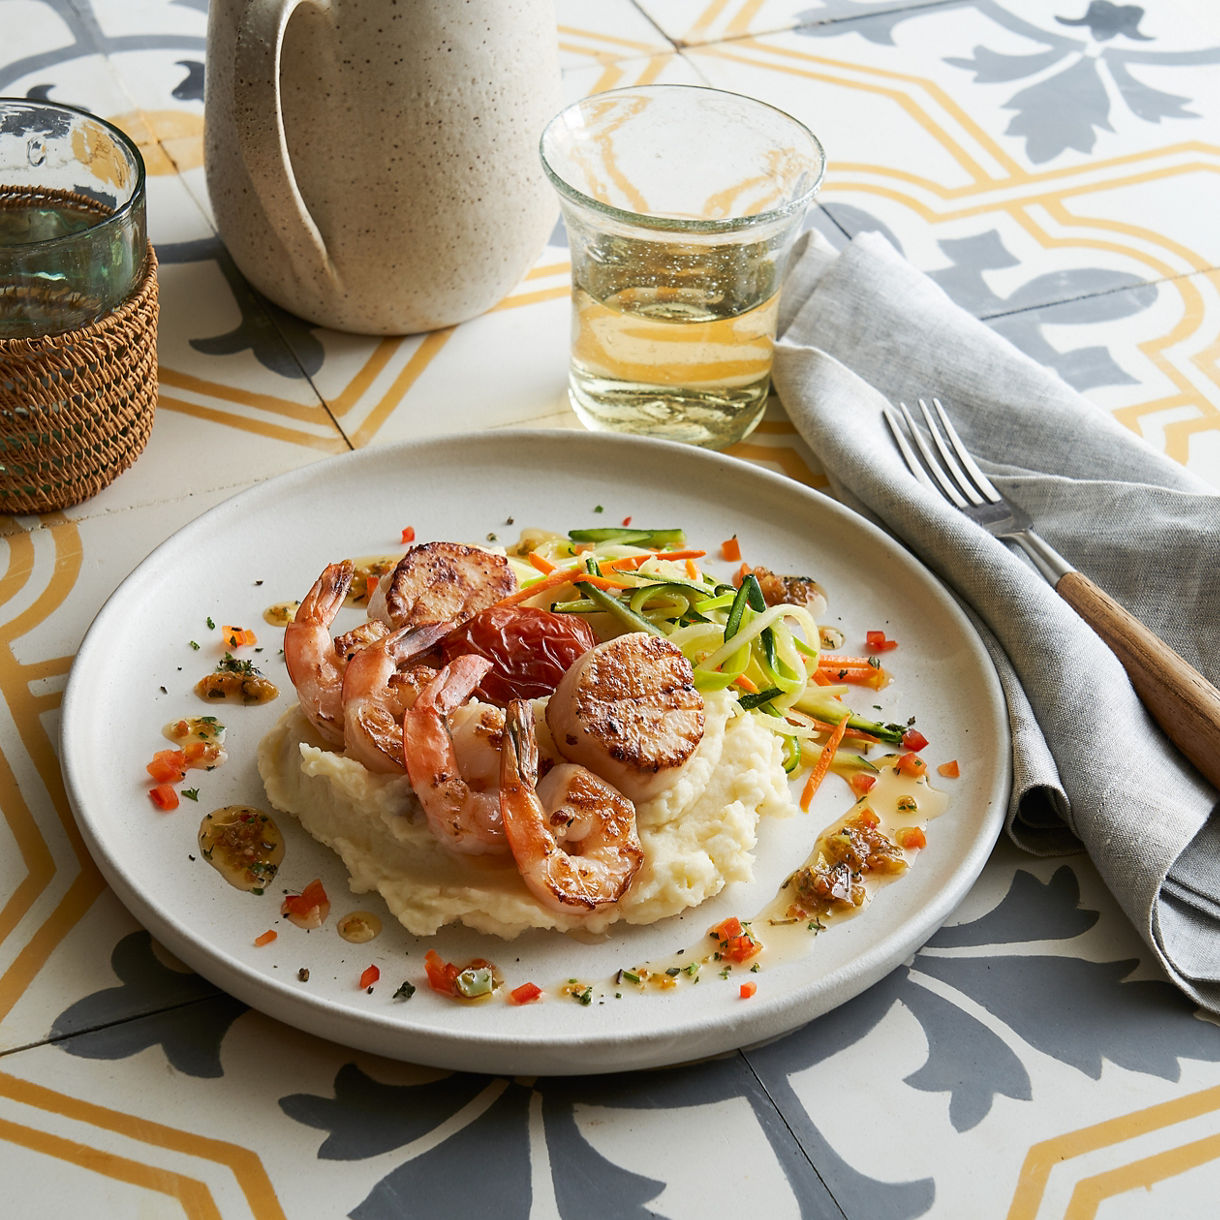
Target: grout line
x=796 y=1139
x=55 y=1040
x=649 y=18
x=1089 y=296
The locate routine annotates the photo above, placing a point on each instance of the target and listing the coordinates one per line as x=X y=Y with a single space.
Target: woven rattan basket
x=76 y=409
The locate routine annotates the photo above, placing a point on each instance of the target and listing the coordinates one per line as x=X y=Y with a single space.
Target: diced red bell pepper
x=164 y=796
x=309 y=908
x=527 y=993
x=862 y=782
x=168 y=766
x=442 y=975
x=736 y=942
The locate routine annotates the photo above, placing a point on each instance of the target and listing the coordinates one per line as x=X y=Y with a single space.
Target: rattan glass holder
x=76 y=408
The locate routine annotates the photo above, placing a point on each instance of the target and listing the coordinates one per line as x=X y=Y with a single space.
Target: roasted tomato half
x=530 y=649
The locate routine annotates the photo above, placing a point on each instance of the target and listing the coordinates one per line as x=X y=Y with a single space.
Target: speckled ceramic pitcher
x=373 y=164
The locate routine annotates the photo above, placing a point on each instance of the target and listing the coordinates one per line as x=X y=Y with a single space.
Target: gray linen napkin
x=863 y=327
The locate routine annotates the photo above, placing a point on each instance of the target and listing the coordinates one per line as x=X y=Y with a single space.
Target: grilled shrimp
x=378 y=687
x=628 y=710
x=361 y=636
x=456 y=783
x=441 y=582
x=574 y=836
x=314 y=666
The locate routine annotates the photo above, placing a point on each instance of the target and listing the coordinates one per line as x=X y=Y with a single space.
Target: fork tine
x=981 y=481
x=949 y=457
x=944 y=484
x=904 y=447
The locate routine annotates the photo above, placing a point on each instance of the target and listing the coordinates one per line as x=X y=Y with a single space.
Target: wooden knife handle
x=1179 y=698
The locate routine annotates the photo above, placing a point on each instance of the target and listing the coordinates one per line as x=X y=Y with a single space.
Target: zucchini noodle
x=627 y=579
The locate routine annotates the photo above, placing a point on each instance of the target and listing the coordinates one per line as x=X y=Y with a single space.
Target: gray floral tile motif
x=86 y=37
x=107 y=1024
x=1075 y=296
x=1142 y=1025
x=278 y=340
x=366 y=1118
x=1087 y=57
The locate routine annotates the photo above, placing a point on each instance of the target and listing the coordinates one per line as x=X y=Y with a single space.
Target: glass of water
x=681 y=204
x=73 y=240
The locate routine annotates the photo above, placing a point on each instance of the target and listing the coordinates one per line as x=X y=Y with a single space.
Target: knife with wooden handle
x=1179 y=698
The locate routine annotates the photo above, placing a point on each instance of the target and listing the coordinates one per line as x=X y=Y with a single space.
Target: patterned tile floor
x=1055 y=166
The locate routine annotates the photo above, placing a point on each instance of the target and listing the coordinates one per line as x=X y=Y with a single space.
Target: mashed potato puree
x=697 y=837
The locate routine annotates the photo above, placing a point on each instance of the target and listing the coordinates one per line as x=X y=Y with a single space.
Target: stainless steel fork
x=949 y=468
x=1177 y=696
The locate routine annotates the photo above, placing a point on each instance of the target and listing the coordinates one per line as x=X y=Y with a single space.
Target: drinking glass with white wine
x=681 y=205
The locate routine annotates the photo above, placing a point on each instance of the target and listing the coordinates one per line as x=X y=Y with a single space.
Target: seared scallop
x=628 y=710
x=441 y=582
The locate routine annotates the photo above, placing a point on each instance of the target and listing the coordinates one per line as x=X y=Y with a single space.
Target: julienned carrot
x=822 y=766
x=831 y=660
x=858 y=670
x=746 y=684
x=545 y=566
x=826 y=726
x=628 y=563
x=603 y=582
x=561 y=576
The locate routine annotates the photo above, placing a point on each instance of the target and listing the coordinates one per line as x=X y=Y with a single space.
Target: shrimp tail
x=314 y=667
x=454 y=684
x=409 y=642
x=519 y=756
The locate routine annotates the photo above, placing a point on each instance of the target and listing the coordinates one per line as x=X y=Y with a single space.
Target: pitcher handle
x=261 y=138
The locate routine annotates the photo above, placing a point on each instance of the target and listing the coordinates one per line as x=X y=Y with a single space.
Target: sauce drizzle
x=243 y=845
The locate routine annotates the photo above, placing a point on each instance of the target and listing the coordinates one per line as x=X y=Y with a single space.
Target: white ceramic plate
x=136 y=671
